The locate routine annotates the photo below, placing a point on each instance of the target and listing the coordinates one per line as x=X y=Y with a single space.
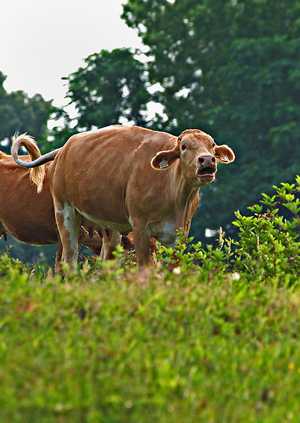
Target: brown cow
x=131 y=178
x=25 y=214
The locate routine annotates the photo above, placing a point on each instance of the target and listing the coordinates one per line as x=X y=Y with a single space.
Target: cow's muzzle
x=207 y=168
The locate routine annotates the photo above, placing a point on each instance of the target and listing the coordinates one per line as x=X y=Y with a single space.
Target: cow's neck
x=184 y=192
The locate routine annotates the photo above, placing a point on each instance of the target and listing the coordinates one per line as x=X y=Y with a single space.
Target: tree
x=231 y=67
x=108 y=89
x=21 y=113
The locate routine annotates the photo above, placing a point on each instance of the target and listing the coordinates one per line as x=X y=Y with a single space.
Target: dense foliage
x=108 y=89
x=212 y=336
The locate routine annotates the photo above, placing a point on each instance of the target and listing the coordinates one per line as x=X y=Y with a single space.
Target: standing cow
x=131 y=178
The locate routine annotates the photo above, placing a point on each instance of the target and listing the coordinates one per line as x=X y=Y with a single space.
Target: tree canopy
x=109 y=88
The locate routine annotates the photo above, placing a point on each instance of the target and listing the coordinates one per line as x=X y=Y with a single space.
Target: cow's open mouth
x=206 y=174
x=206 y=171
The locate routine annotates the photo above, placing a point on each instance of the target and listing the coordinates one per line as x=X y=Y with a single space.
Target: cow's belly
x=165 y=232
x=104 y=223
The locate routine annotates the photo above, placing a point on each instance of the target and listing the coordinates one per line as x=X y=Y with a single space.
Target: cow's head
x=198 y=155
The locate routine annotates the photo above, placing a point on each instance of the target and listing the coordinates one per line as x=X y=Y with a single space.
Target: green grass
x=213 y=336
x=100 y=347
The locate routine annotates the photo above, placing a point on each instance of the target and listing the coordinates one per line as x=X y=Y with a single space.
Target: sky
x=44 y=40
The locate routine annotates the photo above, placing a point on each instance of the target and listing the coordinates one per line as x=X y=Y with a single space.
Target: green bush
x=268 y=243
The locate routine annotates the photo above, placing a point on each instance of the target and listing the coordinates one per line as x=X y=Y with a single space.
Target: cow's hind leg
x=68 y=223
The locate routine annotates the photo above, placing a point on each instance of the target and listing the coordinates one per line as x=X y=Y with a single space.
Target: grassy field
x=100 y=347
x=212 y=335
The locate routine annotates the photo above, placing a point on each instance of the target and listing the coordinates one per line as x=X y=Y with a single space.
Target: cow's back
x=93 y=170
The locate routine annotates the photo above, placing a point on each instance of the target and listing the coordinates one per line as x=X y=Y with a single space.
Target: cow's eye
x=183 y=147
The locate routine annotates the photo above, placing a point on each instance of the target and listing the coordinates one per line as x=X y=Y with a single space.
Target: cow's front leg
x=68 y=224
x=142 y=243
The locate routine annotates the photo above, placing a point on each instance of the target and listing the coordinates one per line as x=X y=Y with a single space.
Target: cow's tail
x=36 y=165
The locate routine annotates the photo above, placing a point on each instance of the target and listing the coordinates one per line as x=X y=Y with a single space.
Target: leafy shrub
x=189 y=255
x=268 y=241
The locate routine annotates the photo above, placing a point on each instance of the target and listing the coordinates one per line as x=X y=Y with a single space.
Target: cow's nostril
x=206 y=161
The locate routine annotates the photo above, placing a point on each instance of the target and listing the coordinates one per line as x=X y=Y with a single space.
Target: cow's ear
x=164 y=159
x=224 y=154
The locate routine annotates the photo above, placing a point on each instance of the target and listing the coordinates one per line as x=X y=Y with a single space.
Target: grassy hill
x=211 y=335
